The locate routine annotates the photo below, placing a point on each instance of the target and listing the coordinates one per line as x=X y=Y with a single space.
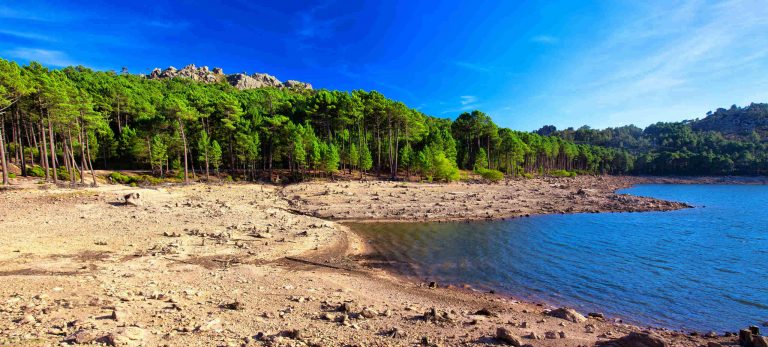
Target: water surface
x=697 y=269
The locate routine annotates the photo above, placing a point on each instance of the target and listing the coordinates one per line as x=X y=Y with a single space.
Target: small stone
x=368 y=313
x=129 y=336
x=119 y=315
x=82 y=336
x=210 y=325
x=550 y=335
x=28 y=319
x=507 y=337
x=395 y=332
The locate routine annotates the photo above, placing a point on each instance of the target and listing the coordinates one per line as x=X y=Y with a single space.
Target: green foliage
x=366 y=159
x=481 y=160
x=491 y=175
x=562 y=173
x=35 y=171
x=121 y=178
x=63 y=174
x=11 y=175
x=215 y=155
x=331 y=159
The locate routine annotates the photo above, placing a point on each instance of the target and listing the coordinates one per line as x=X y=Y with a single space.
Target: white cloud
x=472 y=66
x=545 y=39
x=27 y=35
x=467 y=100
x=42 y=56
x=665 y=56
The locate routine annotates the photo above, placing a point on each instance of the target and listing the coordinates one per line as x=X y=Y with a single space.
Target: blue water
x=704 y=268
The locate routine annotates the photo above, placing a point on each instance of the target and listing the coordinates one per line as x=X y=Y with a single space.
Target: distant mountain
x=736 y=121
x=240 y=81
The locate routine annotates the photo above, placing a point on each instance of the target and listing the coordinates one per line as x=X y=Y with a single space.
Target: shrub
x=528 y=175
x=63 y=175
x=444 y=169
x=11 y=175
x=152 y=180
x=118 y=177
x=491 y=175
x=35 y=171
x=562 y=173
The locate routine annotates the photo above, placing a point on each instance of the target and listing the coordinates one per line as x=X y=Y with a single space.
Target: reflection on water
x=702 y=268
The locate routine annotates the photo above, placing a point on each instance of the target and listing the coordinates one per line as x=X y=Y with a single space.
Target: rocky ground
x=372 y=201
x=243 y=265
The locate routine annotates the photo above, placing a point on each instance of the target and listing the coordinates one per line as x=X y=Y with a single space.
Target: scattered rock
x=485 y=312
x=507 y=337
x=128 y=336
x=368 y=313
x=635 y=339
x=213 y=324
x=119 y=315
x=236 y=306
x=133 y=199
x=395 y=332
x=596 y=315
x=745 y=338
x=436 y=316
x=83 y=336
x=568 y=314
x=347 y=307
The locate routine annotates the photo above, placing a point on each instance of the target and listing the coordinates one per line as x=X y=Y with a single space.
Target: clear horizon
x=526 y=65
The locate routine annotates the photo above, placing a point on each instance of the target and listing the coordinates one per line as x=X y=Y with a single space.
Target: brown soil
x=244 y=264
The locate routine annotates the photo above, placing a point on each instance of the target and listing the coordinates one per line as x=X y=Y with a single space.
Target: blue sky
x=567 y=63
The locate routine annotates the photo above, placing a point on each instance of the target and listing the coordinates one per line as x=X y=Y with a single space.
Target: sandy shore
x=250 y=265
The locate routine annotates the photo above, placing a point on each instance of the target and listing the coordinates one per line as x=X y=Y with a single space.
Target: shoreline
x=240 y=265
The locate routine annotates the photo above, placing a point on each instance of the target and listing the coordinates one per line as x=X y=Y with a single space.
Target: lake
x=704 y=268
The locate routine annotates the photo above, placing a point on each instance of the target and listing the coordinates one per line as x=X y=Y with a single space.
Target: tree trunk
x=83 y=164
x=207 y=170
x=184 y=140
x=53 y=151
x=67 y=165
x=75 y=168
x=21 y=144
x=32 y=144
x=3 y=159
x=44 y=152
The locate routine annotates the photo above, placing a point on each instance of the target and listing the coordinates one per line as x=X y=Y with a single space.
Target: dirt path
x=235 y=265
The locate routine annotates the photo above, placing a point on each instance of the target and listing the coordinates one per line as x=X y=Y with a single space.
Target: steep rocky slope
x=240 y=81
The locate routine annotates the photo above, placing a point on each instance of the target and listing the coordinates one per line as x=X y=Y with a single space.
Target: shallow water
x=704 y=268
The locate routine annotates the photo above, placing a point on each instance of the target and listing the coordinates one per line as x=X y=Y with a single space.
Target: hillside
x=736 y=121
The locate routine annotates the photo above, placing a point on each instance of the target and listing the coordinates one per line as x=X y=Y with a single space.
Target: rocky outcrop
x=297 y=85
x=240 y=81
